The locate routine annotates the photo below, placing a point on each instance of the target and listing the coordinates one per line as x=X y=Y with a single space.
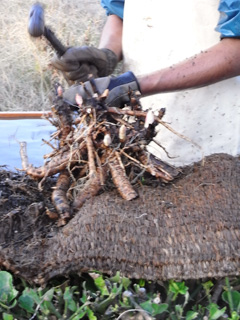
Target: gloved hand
x=119 y=88
x=79 y=62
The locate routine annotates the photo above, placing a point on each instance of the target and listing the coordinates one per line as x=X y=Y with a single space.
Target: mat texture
x=187 y=229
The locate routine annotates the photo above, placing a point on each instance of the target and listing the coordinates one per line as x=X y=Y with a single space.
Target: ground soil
x=23 y=207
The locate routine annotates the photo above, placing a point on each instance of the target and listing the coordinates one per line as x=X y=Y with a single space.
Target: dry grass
x=25 y=77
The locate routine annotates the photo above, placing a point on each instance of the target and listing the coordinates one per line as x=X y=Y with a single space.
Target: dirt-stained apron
x=158 y=34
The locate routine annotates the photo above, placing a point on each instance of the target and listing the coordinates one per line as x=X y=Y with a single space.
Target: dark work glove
x=119 y=88
x=79 y=62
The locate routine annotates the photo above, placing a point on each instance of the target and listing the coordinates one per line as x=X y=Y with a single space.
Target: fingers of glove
x=83 y=72
x=75 y=55
x=70 y=94
x=86 y=54
x=120 y=95
x=63 y=65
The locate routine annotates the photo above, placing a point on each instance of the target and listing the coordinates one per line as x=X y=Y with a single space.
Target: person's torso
x=158 y=34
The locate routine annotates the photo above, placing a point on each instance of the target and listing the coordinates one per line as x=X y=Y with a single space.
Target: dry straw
x=25 y=77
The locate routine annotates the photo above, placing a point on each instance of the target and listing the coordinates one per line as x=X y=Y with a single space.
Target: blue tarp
x=32 y=131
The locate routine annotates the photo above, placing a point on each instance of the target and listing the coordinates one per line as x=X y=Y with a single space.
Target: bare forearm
x=219 y=62
x=111 y=37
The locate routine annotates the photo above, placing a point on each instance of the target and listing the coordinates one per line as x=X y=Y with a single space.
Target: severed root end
x=91 y=140
x=59 y=197
x=91 y=188
x=120 y=179
x=52 y=214
x=158 y=168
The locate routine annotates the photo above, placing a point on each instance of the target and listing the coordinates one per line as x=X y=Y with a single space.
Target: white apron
x=158 y=34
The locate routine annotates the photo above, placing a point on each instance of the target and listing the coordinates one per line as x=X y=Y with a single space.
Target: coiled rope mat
x=188 y=229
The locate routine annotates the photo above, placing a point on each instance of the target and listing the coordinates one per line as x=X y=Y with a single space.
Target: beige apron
x=158 y=34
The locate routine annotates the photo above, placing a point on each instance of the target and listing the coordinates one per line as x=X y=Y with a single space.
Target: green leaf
x=100 y=283
x=234 y=316
x=116 y=290
x=90 y=314
x=142 y=283
x=147 y=306
x=173 y=317
x=67 y=294
x=7 y=290
x=7 y=316
x=177 y=288
x=116 y=278
x=159 y=308
x=28 y=299
x=83 y=299
x=178 y=309
x=72 y=306
x=68 y=297
x=235 y=298
x=136 y=287
x=48 y=295
x=154 y=308
x=79 y=316
x=80 y=313
x=126 y=283
x=191 y=315
x=26 y=302
x=214 y=312
x=207 y=285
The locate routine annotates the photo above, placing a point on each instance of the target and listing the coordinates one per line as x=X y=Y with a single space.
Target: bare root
x=120 y=179
x=92 y=141
x=59 y=196
x=90 y=189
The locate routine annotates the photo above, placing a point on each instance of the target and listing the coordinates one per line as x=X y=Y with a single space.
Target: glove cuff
x=127 y=78
x=119 y=89
x=112 y=61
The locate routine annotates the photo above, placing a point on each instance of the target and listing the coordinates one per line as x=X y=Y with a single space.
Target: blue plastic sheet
x=32 y=131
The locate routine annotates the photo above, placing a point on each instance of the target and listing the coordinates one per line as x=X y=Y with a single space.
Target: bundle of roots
x=92 y=142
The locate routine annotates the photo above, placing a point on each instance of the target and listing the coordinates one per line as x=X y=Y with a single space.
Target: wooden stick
x=23 y=155
x=23 y=115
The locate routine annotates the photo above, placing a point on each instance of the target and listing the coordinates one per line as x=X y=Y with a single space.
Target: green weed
x=96 y=296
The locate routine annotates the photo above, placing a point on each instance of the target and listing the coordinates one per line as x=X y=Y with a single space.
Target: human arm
x=212 y=65
x=215 y=64
x=111 y=37
x=78 y=62
x=222 y=61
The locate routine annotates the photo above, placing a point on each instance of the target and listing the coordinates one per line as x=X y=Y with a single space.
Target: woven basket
x=187 y=229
